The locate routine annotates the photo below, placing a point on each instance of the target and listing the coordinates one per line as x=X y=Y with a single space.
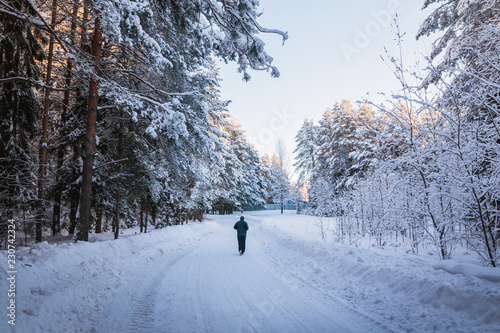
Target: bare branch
x=111 y=162
x=37 y=83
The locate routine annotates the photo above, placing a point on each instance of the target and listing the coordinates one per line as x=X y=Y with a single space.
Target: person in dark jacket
x=242 y=228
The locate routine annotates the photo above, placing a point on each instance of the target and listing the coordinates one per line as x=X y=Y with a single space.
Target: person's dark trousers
x=241 y=243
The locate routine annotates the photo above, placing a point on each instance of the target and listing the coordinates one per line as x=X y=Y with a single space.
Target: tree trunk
x=56 y=214
x=98 y=223
x=153 y=214
x=56 y=210
x=83 y=36
x=42 y=168
x=74 y=202
x=117 y=217
x=486 y=239
x=146 y=222
x=106 y=222
x=89 y=140
x=85 y=18
x=25 y=229
x=141 y=223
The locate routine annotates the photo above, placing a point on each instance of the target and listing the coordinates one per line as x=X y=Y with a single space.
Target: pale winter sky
x=333 y=53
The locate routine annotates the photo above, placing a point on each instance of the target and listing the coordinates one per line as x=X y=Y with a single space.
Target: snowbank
x=404 y=291
x=61 y=287
x=485 y=273
x=67 y=287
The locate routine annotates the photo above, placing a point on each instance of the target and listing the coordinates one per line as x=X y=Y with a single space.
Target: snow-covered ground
x=191 y=279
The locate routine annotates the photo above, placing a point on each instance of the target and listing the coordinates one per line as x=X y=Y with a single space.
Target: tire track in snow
x=321 y=295
x=194 y=290
x=207 y=287
x=259 y=311
x=215 y=290
x=134 y=309
x=142 y=319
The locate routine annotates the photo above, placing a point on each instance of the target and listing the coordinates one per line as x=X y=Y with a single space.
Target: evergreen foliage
x=20 y=54
x=136 y=127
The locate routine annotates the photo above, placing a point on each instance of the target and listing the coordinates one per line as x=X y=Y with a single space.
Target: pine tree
x=61 y=136
x=42 y=161
x=158 y=140
x=20 y=50
x=306 y=140
x=276 y=176
x=230 y=34
x=242 y=174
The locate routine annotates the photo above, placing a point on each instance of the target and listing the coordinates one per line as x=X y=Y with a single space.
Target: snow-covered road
x=210 y=288
x=190 y=278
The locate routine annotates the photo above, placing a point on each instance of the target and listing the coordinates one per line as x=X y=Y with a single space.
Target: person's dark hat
x=242 y=218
